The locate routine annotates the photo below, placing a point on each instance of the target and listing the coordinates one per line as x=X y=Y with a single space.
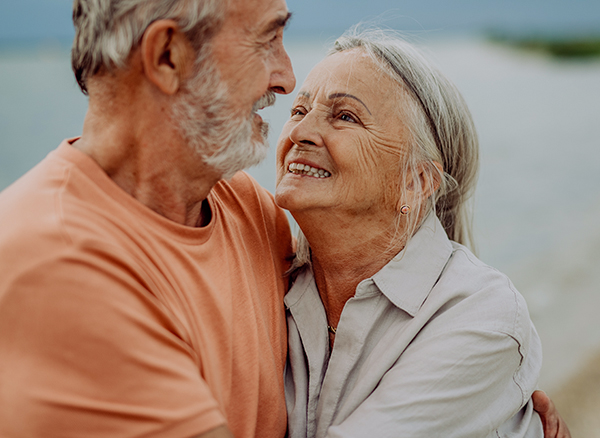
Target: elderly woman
x=395 y=327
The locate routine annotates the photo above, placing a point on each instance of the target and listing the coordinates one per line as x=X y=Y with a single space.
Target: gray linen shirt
x=436 y=344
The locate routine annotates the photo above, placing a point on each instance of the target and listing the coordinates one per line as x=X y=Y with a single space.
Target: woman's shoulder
x=473 y=300
x=479 y=296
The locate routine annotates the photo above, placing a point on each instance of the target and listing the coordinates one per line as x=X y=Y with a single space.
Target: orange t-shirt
x=116 y=322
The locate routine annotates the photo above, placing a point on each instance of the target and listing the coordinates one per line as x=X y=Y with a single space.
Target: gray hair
x=440 y=128
x=106 y=31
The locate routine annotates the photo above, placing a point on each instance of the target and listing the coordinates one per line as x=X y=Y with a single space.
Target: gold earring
x=405 y=209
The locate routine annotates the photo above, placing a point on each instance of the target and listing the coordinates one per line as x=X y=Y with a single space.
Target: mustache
x=267 y=99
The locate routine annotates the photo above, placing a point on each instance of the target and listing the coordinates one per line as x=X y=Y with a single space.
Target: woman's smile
x=308 y=170
x=340 y=149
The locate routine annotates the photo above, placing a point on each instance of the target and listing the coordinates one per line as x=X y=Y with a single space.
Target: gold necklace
x=331 y=329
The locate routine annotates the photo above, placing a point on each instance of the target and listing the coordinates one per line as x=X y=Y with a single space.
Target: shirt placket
x=353 y=328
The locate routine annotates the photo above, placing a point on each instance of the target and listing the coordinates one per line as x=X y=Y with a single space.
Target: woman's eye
x=272 y=40
x=297 y=112
x=347 y=118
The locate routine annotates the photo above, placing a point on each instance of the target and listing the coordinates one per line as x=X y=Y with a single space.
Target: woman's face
x=345 y=124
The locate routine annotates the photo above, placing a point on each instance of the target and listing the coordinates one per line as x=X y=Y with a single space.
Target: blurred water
x=39 y=106
x=539 y=191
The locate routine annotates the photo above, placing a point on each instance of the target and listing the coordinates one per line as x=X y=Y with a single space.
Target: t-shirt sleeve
x=87 y=350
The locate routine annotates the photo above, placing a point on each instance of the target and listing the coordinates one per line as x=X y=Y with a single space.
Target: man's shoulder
x=29 y=204
x=243 y=192
x=50 y=208
x=35 y=196
x=253 y=208
x=242 y=184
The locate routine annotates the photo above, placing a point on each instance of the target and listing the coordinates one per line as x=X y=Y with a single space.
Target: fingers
x=541 y=401
x=553 y=423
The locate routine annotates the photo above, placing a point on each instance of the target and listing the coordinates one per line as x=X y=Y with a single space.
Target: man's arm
x=88 y=350
x=554 y=425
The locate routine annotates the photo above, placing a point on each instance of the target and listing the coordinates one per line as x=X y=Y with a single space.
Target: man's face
x=249 y=56
x=245 y=66
x=204 y=115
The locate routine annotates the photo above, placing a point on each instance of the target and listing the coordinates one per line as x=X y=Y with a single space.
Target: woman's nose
x=308 y=131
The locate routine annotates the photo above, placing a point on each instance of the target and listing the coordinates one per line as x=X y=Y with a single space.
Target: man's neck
x=149 y=160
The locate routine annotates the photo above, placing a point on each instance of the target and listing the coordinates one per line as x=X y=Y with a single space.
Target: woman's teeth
x=304 y=169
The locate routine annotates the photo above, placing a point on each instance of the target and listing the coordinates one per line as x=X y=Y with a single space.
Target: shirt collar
x=409 y=277
x=304 y=282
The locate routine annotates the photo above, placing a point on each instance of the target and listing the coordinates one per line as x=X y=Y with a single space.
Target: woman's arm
x=457 y=383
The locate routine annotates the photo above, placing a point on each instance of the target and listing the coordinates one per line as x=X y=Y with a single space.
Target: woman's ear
x=431 y=174
x=167 y=55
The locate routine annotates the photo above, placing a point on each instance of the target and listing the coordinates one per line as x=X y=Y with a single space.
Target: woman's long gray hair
x=440 y=130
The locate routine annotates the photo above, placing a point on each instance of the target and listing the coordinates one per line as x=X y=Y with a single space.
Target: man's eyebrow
x=338 y=95
x=279 y=22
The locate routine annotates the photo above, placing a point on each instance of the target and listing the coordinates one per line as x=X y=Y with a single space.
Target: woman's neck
x=346 y=250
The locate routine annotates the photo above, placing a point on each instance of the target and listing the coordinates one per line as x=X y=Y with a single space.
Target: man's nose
x=283 y=79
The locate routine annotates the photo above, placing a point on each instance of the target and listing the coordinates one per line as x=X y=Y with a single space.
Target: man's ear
x=167 y=55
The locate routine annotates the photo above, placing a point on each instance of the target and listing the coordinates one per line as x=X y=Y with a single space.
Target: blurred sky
x=34 y=19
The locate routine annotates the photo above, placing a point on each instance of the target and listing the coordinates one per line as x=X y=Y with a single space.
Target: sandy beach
x=578 y=400
x=562 y=290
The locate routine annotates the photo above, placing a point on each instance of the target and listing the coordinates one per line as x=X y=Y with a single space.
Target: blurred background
x=530 y=72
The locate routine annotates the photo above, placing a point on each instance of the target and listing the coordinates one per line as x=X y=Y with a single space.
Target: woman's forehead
x=352 y=71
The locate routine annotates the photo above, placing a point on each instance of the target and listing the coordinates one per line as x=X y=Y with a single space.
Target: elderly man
x=140 y=292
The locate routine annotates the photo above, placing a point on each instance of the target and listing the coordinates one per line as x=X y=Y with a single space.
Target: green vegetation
x=559 y=47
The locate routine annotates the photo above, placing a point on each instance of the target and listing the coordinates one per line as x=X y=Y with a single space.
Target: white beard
x=222 y=139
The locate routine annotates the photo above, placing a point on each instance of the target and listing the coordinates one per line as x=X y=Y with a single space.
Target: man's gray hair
x=106 y=31
x=441 y=130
